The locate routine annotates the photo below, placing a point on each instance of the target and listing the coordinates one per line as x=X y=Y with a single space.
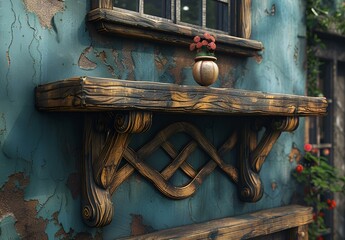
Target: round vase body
x=205 y=70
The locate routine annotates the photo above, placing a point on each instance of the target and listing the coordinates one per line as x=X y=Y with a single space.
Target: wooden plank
x=102 y=94
x=246 y=226
x=108 y=4
x=136 y=26
x=245 y=21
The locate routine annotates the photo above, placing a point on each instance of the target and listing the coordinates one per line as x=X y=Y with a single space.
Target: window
x=211 y=14
x=177 y=21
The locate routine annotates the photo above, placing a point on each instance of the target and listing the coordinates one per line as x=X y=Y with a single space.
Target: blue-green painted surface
x=46 y=147
x=7 y=229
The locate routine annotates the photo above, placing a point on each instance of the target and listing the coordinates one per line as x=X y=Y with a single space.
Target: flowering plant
x=319 y=179
x=204 y=45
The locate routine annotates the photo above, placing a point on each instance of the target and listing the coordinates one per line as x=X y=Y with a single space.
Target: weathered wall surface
x=43 y=41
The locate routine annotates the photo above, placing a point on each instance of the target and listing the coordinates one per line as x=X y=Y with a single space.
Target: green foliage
x=320 y=16
x=318 y=179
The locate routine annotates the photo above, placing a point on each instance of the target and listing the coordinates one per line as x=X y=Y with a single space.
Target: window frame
x=138 y=25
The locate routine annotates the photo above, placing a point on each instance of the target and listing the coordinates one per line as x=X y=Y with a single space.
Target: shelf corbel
x=106 y=138
x=116 y=109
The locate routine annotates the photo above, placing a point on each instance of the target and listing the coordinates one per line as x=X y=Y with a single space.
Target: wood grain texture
x=107 y=4
x=101 y=94
x=247 y=226
x=245 y=20
x=97 y=207
x=136 y=26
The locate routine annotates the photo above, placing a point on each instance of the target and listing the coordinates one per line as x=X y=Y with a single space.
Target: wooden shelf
x=101 y=94
x=115 y=109
x=292 y=218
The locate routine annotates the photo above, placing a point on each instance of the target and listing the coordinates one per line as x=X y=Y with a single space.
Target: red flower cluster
x=331 y=203
x=206 y=42
x=320 y=238
x=299 y=168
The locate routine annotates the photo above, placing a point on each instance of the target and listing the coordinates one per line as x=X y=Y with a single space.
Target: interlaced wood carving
x=106 y=145
x=115 y=110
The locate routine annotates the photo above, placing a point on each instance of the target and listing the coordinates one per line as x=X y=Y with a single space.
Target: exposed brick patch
x=44 y=10
x=12 y=202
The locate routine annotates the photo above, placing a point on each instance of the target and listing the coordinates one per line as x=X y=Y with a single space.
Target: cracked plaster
x=44 y=10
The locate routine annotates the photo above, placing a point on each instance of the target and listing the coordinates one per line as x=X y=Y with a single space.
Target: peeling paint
x=44 y=10
x=295 y=154
x=138 y=227
x=12 y=202
x=272 y=11
x=84 y=62
x=2 y=123
x=103 y=57
x=61 y=234
x=8 y=58
x=295 y=55
x=258 y=58
x=7 y=229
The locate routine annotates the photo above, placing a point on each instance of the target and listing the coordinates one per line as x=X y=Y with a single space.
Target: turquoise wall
x=40 y=153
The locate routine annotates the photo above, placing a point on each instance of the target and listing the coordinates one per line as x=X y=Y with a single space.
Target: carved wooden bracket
x=117 y=109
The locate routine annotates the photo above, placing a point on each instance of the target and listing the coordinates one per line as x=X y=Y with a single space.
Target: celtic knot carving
x=106 y=146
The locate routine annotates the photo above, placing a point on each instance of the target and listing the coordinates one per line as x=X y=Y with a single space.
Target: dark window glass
x=191 y=11
x=217 y=15
x=132 y=5
x=159 y=8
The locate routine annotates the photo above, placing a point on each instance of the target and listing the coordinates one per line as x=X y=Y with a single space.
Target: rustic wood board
x=246 y=226
x=102 y=94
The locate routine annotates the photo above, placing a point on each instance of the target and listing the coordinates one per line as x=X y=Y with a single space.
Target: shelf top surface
x=90 y=94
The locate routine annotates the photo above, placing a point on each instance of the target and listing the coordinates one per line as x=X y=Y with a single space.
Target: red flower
x=331 y=203
x=308 y=147
x=315 y=150
x=321 y=214
x=213 y=39
x=192 y=46
x=299 y=168
x=319 y=238
x=207 y=36
x=325 y=152
x=197 y=39
x=212 y=45
x=204 y=42
x=199 y=45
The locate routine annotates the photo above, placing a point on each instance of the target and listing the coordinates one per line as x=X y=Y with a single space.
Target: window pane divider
x=203 y=18
x=141 y=7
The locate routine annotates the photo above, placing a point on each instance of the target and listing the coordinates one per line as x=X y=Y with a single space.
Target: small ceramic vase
x=205 y=70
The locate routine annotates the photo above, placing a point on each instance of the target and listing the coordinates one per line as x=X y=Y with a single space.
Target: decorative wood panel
x=262 y=223
x=115 y=109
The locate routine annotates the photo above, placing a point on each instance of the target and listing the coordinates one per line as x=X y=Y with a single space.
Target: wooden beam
x=247 y=226
x=101 y=94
